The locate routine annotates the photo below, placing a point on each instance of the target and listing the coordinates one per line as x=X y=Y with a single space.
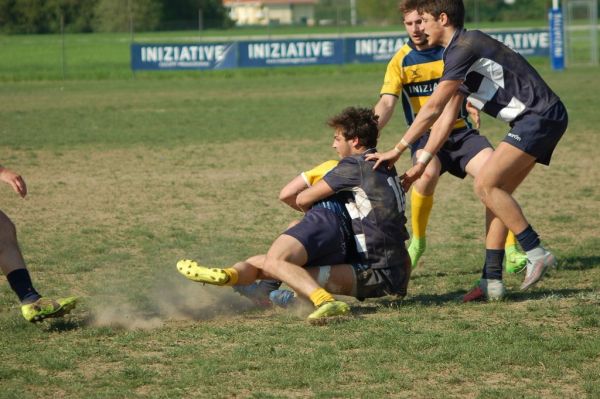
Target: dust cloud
x=169 y=299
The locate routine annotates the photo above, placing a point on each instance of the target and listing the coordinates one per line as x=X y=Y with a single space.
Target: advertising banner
x=373 y=48
x=183 y=56
x=290 y=52
x=321 y=51
x=557 y=45
x=526 y=42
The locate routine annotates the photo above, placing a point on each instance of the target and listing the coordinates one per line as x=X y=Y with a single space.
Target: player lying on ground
x=351 y=239
x=33 y=307
x=412 y=74
x=501 y=83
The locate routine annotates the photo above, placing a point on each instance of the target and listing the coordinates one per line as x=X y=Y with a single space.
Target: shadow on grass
x=520 y=296
x=579 y=262
x=456 y=297
x=421 y=275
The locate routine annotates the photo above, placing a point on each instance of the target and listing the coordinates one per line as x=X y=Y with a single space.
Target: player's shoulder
x=401 y=53
x=350 y=160
x=471 y=39
x=315 y=174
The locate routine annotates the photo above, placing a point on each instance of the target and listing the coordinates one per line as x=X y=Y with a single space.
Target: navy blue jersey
x=375 y=201
x=496 y=79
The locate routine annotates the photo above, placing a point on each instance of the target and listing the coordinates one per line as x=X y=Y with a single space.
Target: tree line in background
x=44 y=16
x=47 y=16
x=385 y=11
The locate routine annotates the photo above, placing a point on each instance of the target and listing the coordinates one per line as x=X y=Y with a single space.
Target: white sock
x=536 y=253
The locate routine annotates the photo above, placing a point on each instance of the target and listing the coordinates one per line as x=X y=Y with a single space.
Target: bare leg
x=497 y=231
x=10 y=255
x=507 y=167
x=426 y=184
x=282 y=262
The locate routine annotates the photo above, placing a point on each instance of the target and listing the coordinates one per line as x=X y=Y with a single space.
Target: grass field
x=127 y=176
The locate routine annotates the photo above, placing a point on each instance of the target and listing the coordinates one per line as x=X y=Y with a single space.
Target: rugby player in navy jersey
x=501 y=83
x=351 y=239
x=410 y=78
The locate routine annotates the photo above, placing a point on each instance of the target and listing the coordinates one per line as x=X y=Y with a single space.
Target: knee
x=269 y=264
x=482 y=189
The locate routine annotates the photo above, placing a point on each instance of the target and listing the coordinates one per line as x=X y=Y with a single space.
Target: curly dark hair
x=357 y=122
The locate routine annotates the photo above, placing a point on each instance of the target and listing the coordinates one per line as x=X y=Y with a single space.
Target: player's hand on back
x=14 y=180
x=390 y=156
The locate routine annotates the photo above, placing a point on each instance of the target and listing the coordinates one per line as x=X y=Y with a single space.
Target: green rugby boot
x=515 y=260
x=193 y=271
x=327 y=311
x=45 y=308
x=416 y=249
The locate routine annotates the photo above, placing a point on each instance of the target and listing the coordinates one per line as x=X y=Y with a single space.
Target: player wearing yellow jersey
x=411 y=76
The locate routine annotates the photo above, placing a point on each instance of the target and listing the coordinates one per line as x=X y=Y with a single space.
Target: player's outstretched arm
x=14 y=180
x=385 y=109
x=440 y=131
x=426 y=117
x=308 y=197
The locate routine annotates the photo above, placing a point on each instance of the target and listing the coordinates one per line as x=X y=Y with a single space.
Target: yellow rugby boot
x=193 y=271
x=327 y=311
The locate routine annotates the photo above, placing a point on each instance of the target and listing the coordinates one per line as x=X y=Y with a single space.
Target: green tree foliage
x=117 y=15
x=44 y=16
x=184 y=14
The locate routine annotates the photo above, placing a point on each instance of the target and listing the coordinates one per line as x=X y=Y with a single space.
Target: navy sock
x=528 y=239
x=493 y=264
x=20 y=282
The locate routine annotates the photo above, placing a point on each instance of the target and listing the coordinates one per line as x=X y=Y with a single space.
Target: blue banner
x=268 y=53
x=290 y=52
x=183 y=56
x=373 y=48
x=557 y=45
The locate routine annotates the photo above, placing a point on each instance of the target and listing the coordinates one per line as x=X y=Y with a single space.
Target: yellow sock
x=420 y=206
x=511 y=240
x=320 y=296
x=233 y=276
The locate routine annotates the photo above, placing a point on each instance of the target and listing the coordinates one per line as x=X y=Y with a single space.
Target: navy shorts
x=458 y=150
x=325 y=241
x=538 y=135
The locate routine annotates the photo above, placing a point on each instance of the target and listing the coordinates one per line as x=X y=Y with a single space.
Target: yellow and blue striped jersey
x=412 y=75
x=315 y=174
